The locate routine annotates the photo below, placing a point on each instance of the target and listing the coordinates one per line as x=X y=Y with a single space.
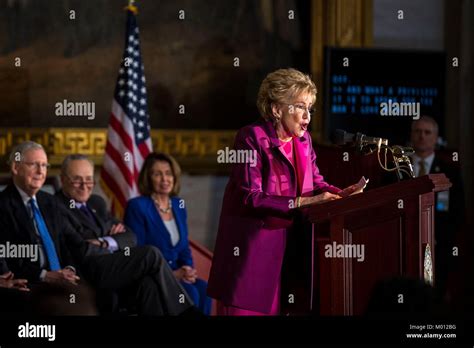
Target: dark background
x=187 y=62
x=386 y=68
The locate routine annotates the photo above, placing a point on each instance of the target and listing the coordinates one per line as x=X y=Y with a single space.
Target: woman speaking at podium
x=280 y=174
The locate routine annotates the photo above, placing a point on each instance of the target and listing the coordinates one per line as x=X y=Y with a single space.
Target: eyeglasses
x=79 y=183
x=36 y=165
x=301 y=108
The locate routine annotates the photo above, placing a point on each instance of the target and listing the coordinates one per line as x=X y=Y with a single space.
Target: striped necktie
x=422 y=168
x=87 y=212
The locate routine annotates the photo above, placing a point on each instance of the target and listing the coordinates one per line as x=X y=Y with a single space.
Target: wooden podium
x=394 y=224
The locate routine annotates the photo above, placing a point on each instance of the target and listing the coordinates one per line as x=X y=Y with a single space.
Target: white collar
x=24 y=196
x=428 y=160
x=79 y=205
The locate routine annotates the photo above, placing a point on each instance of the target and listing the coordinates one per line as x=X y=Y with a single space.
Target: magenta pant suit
x=256 y=217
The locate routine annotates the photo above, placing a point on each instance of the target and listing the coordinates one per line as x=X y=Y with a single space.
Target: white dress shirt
x=172 y=230
x=42 y=254
x=42 y=259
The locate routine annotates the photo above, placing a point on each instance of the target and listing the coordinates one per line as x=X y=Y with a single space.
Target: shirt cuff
x=43 y=274
x=72 y=268
x=113 y=245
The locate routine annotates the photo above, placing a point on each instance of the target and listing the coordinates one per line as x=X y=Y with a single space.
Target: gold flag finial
x=131 y=6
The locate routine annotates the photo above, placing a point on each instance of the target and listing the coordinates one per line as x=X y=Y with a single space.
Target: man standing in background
x=449 y=205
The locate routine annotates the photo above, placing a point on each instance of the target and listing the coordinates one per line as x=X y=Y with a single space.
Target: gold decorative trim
x=334 y=22
x=428 y=265
x=340 y=23
x=317 y=56
x=196 y=150
x=367 y=23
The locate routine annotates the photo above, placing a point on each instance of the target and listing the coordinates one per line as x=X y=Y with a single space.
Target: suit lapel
x=84 y=220
x=435 y=166
x=20 y=213
x=177 y=212
x=156 y=218
x=270 y=130
x=302 y=153
x=276 y=145
x=101 y=229
x=158 y=221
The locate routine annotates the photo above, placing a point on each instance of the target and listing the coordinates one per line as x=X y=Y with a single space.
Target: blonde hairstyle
x=281 y=85
x=145 y=185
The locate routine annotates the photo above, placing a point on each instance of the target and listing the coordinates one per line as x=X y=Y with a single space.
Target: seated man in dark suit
x=99 y=227
x=30 y=216
x=449 y=205
x=89 y=214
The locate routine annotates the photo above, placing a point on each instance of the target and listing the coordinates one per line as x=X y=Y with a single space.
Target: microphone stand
x=400 y=157
x=401 y=160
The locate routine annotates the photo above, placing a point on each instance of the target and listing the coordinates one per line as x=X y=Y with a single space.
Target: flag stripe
x=109 y=181
x=117 y=126
x=121 y=137
x=115 y=156
x=114 y=171
x=144 y=151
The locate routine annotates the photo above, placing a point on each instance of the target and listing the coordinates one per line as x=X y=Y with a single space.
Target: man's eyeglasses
x=79 y=183
x=36 y=165
x=301 y=108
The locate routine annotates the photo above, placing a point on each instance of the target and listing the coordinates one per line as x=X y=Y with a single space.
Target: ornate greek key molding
x=196 y=150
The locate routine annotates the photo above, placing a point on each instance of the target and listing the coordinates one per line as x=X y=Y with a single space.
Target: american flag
x=128 y=134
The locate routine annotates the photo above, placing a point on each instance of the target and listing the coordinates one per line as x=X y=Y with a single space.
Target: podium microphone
x=341 y=137
x=402 y=150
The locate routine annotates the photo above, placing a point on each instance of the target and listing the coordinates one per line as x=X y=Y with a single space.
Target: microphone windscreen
x=400 y=150
x=338 y=137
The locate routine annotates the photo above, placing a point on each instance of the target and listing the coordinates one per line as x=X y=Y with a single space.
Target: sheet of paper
x=353 y=189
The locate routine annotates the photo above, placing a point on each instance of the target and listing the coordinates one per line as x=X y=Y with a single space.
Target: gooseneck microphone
x=341 y=137
x=400 y=154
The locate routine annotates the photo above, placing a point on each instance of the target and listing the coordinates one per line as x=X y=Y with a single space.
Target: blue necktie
x=85 y=209
x=45 y=237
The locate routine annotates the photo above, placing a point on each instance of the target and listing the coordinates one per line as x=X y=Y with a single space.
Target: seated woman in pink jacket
x=280 y=173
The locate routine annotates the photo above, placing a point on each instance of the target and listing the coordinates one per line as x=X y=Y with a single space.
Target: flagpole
x=129 y=123
x=131 y=7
